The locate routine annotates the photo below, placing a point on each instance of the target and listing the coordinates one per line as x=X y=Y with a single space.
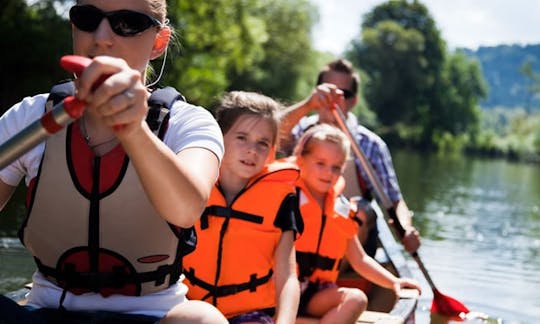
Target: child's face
x=248 y=144
x=321 y=168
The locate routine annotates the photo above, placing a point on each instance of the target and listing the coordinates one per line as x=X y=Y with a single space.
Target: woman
x=109 y=237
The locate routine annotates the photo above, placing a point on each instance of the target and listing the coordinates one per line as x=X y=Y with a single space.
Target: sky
x=463 y=23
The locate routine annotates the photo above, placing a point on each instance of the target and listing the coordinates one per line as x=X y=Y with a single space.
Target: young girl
x=330 y=233
x=106 y=195
x=244 y=262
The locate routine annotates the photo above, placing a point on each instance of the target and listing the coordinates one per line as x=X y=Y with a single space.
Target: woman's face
x=248 y=145
x=135 y=50
x=321 y=167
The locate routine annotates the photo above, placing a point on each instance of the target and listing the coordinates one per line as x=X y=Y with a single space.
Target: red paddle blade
x=447 y=306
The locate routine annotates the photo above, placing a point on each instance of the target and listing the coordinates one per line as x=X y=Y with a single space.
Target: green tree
x=533 y=86
x=392 y=58
x=288 y=54
x=413 y=85
x=214 y=36
x=460 y=88
x=408 y=40
x=241 y=44
x=34 y=38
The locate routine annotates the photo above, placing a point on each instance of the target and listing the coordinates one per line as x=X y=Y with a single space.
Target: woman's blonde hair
x=322 y=132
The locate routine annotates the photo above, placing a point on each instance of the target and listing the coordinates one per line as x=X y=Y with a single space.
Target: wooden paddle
x=442 y=304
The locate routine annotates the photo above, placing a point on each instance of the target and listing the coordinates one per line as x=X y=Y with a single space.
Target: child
x=244 y=262
x=330 y=233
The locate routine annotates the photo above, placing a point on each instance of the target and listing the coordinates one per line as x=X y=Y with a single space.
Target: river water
x=480 y=226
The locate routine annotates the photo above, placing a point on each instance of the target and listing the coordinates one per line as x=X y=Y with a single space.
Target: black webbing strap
x=308 y=262
x=227 y=212
x=70 y=278
x=226 y=290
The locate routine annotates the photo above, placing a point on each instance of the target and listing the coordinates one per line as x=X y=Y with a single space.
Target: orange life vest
x=323 y=244
x=90 y=226
x=233 y=262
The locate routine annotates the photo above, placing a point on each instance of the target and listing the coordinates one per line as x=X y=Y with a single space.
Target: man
x=337 y=84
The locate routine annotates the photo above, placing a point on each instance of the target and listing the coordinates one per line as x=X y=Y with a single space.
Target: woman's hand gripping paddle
x=442 y=304
x=52 y=121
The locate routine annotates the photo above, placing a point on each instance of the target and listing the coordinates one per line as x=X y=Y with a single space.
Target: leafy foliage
x=412 y=81
x=252 y=45
x=34 y=37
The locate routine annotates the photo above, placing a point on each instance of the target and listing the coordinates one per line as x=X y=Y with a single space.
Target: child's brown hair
x=238 y=103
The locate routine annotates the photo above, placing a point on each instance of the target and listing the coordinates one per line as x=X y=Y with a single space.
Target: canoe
x=384 y=306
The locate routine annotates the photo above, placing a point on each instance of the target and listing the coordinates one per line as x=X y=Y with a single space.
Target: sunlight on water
x=16 y=265
x=480 y=225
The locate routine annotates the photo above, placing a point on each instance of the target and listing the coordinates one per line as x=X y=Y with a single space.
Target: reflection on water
x=16 y=265
x=480 y=225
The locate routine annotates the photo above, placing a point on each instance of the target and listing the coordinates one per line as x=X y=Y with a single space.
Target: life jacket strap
x=70 y=278
x=226 y=290
x=227 y=212
x=308 y=262
x=160 y=103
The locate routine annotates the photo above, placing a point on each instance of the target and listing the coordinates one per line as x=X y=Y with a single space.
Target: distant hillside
x=501 y=66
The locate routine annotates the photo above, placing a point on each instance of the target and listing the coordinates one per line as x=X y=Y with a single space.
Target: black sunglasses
x=347 y=94
x=123 y=22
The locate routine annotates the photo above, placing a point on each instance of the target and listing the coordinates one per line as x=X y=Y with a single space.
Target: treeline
x=428 y=97
x=414 y=91
x=221 y=45
x=510 y=121
x=505 y=70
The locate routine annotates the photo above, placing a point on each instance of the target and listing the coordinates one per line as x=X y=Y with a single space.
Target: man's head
x=342 y=74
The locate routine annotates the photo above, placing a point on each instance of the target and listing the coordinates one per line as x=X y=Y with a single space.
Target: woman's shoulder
x=193 y=126
x=22 y=114
x=186 y=113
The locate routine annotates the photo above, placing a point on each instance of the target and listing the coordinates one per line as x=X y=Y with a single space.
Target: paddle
x=442 y=304
x=51 y=122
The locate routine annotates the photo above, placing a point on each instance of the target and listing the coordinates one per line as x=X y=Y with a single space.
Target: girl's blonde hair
x=322 y=132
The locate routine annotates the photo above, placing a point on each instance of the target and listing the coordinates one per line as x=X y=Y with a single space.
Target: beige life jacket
x=90 y=226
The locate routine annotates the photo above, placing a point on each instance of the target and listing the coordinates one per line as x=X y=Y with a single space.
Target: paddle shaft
x=378 y=188
x=51 y=122
x=61 y=115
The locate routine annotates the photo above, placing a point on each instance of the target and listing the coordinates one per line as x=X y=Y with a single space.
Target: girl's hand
x=120 y=101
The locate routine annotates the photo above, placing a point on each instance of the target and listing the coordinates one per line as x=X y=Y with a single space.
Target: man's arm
x=384 y=167
x=290 y=117
x=411 y=239
x=323 y=97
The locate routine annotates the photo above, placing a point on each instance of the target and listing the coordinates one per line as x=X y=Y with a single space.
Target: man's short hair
x=342 y=66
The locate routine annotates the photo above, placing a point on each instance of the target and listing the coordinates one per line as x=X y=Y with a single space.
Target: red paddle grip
x=76 y=64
